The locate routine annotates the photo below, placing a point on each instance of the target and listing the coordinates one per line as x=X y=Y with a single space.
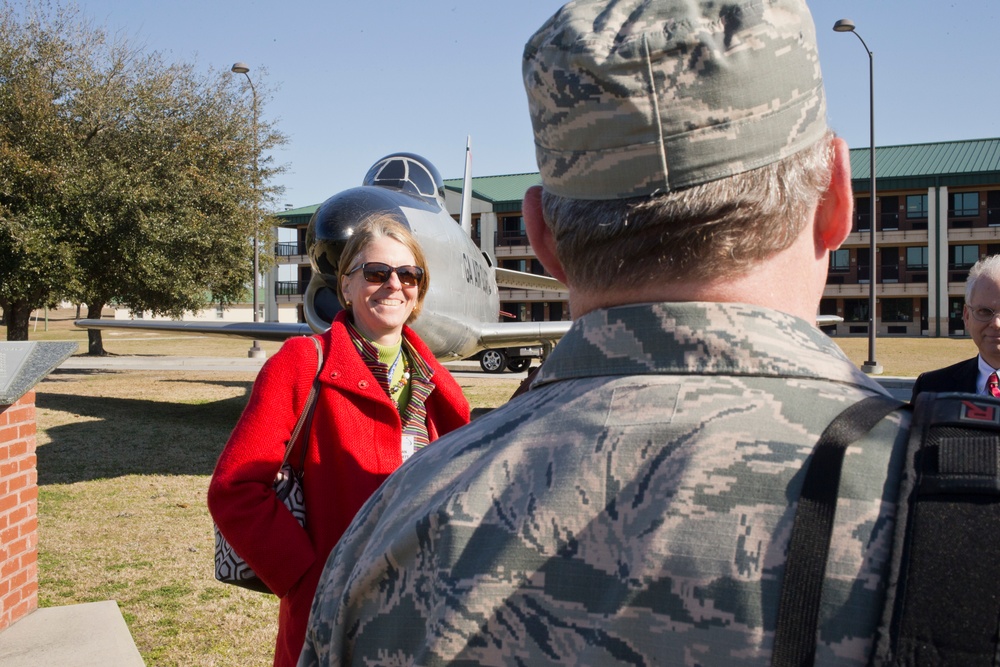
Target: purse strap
x=307 y=410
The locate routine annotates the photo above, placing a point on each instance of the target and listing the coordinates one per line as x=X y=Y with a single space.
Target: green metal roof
x=295 y=217
x=971 y=162
x=951 y=163
x=506 y=193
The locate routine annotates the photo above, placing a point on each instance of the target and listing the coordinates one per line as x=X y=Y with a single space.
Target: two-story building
x=937 y=212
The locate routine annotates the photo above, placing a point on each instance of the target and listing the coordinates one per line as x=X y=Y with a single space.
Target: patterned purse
x=230 y=568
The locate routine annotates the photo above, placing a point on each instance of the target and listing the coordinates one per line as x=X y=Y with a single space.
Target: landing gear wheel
x=518 y=364
x=493 y=361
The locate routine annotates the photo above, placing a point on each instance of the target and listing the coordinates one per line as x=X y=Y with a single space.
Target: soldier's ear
x=835 y=210
x=539 y=234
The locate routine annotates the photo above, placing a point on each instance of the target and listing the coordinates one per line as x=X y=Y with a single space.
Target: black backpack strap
x=943 y=599
x=809 y=546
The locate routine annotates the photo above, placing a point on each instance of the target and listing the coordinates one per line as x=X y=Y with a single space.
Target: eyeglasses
x=378 y=273
x=982 y=313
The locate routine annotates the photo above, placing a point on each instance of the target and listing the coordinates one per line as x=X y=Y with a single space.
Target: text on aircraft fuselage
x=476 y=274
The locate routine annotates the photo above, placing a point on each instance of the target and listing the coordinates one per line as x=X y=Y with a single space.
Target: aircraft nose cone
x=334 y=223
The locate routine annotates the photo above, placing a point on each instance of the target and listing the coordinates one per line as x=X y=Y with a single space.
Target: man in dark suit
x=981 y=315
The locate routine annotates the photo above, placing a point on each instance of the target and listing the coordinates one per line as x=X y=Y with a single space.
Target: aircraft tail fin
x=465 y=218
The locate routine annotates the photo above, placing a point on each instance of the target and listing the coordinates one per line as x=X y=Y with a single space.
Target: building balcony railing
x=507 y=294
x=289 y=249
x=882 y=289
x=887 y=237
x=290 y=287
x=981 y=233
x=511 y=239
x=890 y=228
x=993 y=217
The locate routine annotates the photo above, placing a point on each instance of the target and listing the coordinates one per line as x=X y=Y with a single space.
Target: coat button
x=363 y=384
x=334 y=374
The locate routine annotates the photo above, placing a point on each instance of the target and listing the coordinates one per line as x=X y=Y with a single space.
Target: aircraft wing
x=273 y=331
x=521 y=280
x=522 y=334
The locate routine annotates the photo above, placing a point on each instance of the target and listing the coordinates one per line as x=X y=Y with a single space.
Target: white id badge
x=408 y=446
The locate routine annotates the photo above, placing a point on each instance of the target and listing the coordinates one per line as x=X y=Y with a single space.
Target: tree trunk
x=18 y=316
x=95 y=344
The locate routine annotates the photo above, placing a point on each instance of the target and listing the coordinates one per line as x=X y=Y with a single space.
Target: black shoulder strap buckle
x=942 y=602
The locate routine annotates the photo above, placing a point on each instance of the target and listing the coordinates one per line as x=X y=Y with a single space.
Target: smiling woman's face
x=381 y=310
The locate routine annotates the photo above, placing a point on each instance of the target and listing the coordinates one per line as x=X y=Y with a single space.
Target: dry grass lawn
x=124 y=460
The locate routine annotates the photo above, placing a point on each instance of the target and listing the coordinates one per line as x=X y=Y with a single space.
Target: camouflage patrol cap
x=635 y=97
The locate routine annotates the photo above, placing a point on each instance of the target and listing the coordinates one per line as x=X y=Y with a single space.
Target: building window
x=916 y=206
x=538 y=311
x=916 y=258
x=515 y=265
x=840 y=260
x=897 y=310
x=864 y=256
x=855 y=310
x=514 y=311
x=889 y=269
x=862 y=214
x=965 y=204
x=512 y=231
x=889 y=213
x=964 y=256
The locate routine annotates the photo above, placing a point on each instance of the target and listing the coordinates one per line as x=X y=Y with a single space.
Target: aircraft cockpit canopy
x=409 y=173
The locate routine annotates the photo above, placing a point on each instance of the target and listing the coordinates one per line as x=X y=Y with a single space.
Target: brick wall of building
x=18 y=511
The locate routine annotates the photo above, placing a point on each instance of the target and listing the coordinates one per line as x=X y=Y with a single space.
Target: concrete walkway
x=151 y=363
x=899 y=387
x=229 y=364
x=92 y=634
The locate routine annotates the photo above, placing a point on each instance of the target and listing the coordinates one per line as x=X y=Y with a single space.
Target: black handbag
x=230 y=568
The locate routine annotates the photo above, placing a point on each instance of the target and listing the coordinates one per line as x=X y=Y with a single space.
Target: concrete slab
x=93 y=634
x=899 y=387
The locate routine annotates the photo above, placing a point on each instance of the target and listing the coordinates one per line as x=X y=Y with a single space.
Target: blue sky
x=358 y=80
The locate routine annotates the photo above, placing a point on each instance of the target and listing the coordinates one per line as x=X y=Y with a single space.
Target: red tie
x=993 y=385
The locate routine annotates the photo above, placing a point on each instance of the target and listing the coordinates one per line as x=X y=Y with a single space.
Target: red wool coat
x=353 y=446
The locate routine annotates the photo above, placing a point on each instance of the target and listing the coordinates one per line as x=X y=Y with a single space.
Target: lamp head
x=843 y=25
x=242 y=68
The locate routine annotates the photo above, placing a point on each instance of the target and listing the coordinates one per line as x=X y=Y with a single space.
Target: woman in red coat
x=382 y=396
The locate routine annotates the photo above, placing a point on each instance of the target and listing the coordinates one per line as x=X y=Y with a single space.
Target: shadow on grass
x=122 y=436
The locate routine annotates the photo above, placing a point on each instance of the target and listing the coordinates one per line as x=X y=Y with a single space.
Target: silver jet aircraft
x=462 y=308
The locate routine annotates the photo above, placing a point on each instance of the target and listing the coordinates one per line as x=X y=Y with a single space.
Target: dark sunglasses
x=378 y=273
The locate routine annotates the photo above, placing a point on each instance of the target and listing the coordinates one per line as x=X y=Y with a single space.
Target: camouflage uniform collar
x=697 y=338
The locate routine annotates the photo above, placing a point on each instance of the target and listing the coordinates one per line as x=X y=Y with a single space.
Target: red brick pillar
x=18 y=511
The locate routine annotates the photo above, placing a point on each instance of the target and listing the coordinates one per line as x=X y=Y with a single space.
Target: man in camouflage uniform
x=634 y=507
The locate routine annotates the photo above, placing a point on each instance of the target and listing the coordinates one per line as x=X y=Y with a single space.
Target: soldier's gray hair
x=720 y=229
x=987 y=267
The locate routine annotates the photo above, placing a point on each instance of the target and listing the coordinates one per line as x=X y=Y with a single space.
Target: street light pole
x=870 y=366
x=255 y=351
